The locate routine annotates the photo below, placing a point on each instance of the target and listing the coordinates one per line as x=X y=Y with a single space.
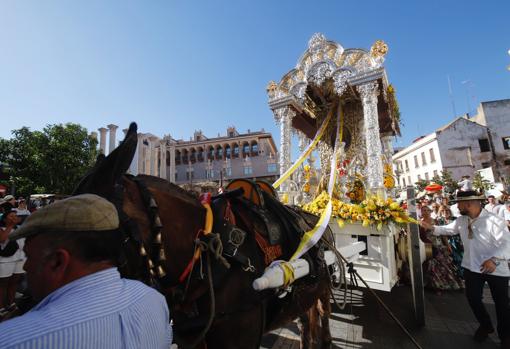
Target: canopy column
x=369 y=92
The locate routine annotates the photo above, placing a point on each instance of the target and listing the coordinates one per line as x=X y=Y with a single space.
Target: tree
x=51 y=161
x=421 y=184
x=481 y=184
x=448 y=183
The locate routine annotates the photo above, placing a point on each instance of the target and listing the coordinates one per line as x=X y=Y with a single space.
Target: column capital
x=368 y=90
x=102 y=129
x=284 y=112
x=112 y=127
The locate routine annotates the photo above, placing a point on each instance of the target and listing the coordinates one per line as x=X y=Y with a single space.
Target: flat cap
x=86 y=212
x=8 y=197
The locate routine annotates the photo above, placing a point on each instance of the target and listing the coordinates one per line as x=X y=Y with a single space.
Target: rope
x=343 y=277
x=402 y=327
x=212 y=310
x=215 y=246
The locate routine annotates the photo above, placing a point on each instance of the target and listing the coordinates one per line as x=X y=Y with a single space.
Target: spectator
x=440 y=271
x=492 y=205
x=487 y=243
x=506 y=214
x=11 y=262
x=418 y=209
x=465 y=184
x=435 y=211
x=72 y=248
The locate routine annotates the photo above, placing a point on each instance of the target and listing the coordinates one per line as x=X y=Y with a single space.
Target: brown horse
x=215 y=305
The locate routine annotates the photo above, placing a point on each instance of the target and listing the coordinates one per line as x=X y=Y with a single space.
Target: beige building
x=201 y=159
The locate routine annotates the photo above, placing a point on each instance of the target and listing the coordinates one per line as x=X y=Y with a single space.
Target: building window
x=506 y=142
x=246 y=149
x=236 y=150
x=419 y=177
x=219 y=153
x=432 y=156
x=426 y=176
x=190 y=175
x=271 y=167
x=209 y=173
x=435 y=173
x=416 y=165
x=423 y=160
x=228 y=151
x=486 y=164
x=507 y=162
x=248 y=170
x=254 y=149
x=407 y=166
x=228 y=171
x=404 y=182
x=484 y=145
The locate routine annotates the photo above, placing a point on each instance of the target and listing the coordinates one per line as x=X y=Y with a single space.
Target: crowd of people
x=470 y=244
x=69 y=260
x=442 y=269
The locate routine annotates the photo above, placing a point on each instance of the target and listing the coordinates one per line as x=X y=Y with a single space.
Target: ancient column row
x=102 y=138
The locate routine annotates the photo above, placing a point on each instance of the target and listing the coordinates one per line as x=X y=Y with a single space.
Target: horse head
x=107 y=171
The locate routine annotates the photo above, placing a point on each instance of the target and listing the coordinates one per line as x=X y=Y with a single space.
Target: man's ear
x=59 y=261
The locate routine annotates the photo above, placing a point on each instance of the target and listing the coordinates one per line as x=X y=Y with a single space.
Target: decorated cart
x=339 y=102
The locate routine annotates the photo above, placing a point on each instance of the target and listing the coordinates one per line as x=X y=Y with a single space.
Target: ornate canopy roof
x=326 y=71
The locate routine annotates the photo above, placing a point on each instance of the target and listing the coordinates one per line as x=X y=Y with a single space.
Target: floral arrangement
x=372 y=211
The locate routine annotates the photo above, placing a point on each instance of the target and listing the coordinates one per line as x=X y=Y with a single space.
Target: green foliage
x=481 y=184
x=421 y=184
x=449 y=184
x=48 y=161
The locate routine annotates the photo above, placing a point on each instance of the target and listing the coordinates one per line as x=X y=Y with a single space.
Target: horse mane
x=171 y=188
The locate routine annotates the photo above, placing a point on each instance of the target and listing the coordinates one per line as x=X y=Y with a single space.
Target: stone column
x=172 y=169
x=93 y=135
x=140 y=154
x=369 y=93
x=153 y=156
x=102 y=139
x=162 y=152
x=113 y=132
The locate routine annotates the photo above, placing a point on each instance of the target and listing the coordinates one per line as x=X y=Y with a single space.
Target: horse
x=206 y=278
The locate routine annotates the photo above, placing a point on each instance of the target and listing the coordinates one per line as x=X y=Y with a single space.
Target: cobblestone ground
x=363 y=323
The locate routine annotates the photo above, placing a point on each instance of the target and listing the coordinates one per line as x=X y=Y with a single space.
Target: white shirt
x=455 y=210
x=491 y=238
x=492 y=208
x=465 y=185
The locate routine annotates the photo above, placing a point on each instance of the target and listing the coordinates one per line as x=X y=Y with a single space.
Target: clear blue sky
x=177 y=66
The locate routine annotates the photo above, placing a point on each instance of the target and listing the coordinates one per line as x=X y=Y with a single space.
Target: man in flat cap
x=72 y=247
x=486 y=242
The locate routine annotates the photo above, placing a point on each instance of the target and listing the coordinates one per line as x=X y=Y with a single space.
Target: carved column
x=113 y=131
x=369 y=93
x=162 y=152
x=102 y=139
x=284 y=116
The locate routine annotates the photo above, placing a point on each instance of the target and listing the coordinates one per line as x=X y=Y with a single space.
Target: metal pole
x=415 y=261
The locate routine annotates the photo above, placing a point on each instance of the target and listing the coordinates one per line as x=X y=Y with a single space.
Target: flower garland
x=372 y=211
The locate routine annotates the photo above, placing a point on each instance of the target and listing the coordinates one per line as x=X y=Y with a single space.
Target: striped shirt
x=98 y=311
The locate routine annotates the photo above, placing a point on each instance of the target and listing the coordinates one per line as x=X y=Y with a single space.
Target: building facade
x=463 y=146
x=454 y=147
x=251 y=155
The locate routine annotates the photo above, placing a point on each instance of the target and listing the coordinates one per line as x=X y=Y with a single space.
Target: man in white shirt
x=486 y=242
x=492 y=206
x=465 y=184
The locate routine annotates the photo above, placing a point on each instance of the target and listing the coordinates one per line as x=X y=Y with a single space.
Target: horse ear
x=107 y=171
